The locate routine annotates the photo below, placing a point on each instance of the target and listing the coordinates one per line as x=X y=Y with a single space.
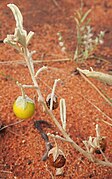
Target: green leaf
x=85 y=15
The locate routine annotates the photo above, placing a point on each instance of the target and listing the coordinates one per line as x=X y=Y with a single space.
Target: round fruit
x=55 y=101
x=56 y=157
x=59 y=162
x=23 y=108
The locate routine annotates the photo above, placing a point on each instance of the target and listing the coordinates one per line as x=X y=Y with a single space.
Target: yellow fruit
x=24 y=108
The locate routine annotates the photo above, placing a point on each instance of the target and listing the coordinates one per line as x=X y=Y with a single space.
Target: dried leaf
x=77 y=21
x=59 y=171
x=55 y=151
x=103 y=77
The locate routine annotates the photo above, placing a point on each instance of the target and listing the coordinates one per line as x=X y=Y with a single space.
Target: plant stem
x=49 y=112
x=27 y=57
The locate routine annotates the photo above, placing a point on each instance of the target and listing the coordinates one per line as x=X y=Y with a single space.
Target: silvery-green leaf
x=17 y=15
x=10 y=39
x=90 y=141
x=21 y=36
x=63 y=113
x=29 y=37
x=95 y=142
x=18 y=37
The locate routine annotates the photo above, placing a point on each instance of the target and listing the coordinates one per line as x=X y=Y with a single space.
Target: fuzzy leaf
x=29 y=37
x=17 y=15
x=63 y=113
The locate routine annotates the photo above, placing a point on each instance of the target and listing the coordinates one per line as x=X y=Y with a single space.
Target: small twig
x=99 y=111
x=4 y=171
x=106 y=122
x=56 y=4
x=29 y=86
x=22 y=62
x=104 y=155
x=52 y=176
x=25 y=86
x=57 y=137
x=14 y=133
x=40 y=70
x=100 y=58
x=13 y=124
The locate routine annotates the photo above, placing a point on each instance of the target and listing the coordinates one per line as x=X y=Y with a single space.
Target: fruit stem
x=22 y=89
x=23 y=93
